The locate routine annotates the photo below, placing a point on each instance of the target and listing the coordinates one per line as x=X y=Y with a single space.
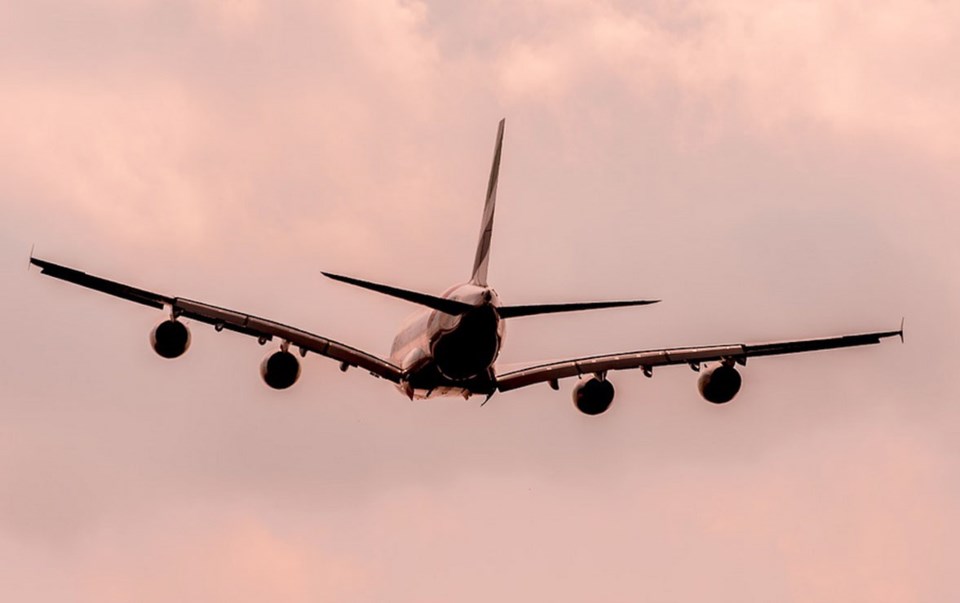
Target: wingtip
x=35 y=261
x=900 y=332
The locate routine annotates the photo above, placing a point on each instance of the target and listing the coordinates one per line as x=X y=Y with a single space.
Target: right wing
x=221 y=318
x=648 y=359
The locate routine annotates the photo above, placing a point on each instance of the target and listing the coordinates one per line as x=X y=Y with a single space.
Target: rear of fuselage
x=451 y=355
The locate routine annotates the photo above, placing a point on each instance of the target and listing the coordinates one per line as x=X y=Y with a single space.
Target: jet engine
x=719 y=384
x=593 y=396
x=280 y=369
x=170 y=338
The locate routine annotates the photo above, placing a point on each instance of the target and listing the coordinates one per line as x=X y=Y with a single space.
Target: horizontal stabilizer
x=447 y=306
x=514 y=311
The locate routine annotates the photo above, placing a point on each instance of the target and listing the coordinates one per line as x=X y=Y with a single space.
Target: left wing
x=221 y=318
x=648 y=359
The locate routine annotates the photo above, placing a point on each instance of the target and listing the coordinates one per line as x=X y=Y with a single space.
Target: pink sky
x=769 y=169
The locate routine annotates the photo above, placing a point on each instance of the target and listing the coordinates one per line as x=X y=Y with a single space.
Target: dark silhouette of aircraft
x=450 y=348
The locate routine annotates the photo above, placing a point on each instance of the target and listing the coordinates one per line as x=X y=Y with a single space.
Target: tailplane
x=532 y=310
x=482 y=259
x=480 y=265
x=447 y=306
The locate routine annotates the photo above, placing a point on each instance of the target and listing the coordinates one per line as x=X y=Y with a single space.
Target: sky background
x=771 y=170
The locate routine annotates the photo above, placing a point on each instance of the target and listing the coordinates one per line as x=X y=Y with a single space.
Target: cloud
x=852 y=68
x=769 y=169
x=195 y=553
x=240 y=119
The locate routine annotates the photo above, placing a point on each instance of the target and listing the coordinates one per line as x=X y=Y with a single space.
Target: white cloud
x=865 y=69
x=732 y=158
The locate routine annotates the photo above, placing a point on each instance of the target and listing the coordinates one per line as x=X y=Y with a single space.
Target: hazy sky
x=769 y=169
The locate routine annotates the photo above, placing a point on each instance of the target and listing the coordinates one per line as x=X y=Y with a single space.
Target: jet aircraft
x=450 y=348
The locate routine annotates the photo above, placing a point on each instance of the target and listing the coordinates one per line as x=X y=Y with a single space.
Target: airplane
x=451 y=346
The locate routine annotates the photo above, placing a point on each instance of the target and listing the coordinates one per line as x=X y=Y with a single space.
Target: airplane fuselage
x=444 y=354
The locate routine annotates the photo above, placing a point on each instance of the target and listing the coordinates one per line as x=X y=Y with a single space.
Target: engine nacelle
x=170 y=338
x=593 y=396
x=719 y=384
x=280 y=369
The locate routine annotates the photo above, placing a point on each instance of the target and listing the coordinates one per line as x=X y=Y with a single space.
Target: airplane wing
x=648 y=359
x=221 y=318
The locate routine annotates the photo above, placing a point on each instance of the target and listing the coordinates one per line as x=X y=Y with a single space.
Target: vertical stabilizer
x=482 y=260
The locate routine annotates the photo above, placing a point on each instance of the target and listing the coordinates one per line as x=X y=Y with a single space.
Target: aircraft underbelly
x=470 y=347
x=458 y=358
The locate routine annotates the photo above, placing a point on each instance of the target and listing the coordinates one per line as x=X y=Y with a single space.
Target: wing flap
x=226 y=319
x=222 y=318
x=140 y=296
x=613 y=362
x=811 y=345
x=690 y=355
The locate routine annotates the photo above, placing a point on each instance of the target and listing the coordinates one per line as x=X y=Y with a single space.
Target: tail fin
x=482 y=260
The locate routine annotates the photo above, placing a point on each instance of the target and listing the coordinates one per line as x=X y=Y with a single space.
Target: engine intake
x=719 y=384
x=280 y=370
x=593 y=396
x=170 y=338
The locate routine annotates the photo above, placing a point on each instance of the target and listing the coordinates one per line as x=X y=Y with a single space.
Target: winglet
x=30 y=261
x=900 y=332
